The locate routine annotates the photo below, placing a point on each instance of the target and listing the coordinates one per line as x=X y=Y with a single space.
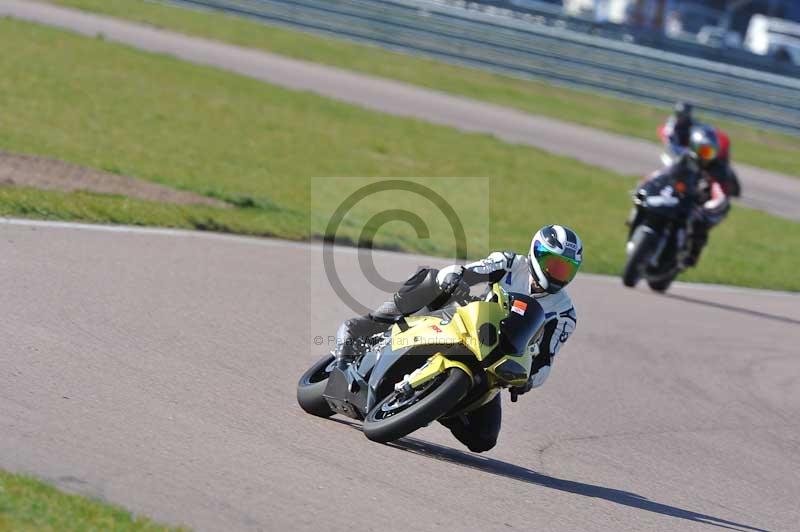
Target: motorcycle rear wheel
x=396 y=416
x=311 y=387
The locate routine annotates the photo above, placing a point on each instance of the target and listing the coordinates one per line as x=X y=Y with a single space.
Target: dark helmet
x=704 y=143
x=683 y=112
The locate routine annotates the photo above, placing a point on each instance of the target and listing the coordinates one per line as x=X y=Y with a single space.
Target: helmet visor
x=706 y=152
x=557 y=268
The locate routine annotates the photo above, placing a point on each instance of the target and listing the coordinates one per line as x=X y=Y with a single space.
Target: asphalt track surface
x=157 y=369
x=763 y=189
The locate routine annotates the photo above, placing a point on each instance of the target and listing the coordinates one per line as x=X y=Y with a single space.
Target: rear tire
x=643 y=240
x=385 y=423
x=311 y=387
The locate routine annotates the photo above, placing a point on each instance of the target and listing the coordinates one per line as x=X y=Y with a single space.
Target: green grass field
x=750 y=145
x=28 y=505
x=106 y=106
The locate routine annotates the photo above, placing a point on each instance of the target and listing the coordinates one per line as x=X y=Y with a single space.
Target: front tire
x=311 y=387
x=396 y=416
x=642 y=241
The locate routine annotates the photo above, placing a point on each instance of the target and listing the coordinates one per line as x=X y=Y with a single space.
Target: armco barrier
x=524 y=46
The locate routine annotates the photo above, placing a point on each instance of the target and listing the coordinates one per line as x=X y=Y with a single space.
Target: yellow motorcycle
x=428 y=367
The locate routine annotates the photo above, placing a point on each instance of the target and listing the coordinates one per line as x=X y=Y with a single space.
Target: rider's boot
x=348 y=343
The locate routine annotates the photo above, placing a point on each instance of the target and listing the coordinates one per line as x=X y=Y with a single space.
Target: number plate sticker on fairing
x=519 y=307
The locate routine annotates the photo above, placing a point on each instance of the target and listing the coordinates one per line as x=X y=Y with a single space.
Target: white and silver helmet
x=555 y=257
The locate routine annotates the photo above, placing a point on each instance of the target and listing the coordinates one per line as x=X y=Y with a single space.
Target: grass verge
x=751 y=145
x=109 y=107
x=27 y=504
x=103 y=208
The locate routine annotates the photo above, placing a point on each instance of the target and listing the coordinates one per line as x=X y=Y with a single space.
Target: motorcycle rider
x=676 y=134
x=555 y=256
x=714 y=187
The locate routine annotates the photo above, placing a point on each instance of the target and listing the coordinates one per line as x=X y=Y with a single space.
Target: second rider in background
x=706 y=150
x=675 y=133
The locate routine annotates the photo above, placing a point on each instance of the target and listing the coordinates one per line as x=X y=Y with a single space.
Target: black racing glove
x=454 y=286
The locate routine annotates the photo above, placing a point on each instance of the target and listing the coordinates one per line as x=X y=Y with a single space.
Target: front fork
x=662 y=243
x=632 y=220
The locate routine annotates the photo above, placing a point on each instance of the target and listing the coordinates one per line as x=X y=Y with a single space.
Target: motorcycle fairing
x=346 y=392
x=423 y=347
x=474 y=325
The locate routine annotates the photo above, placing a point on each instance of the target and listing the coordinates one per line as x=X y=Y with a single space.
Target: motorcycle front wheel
x=660 y=285
x=400 y=414
x=642 y=243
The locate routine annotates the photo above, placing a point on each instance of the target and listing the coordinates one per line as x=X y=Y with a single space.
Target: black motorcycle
x=659 y=226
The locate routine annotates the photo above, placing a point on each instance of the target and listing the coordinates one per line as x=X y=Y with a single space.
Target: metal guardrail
x=553 y=15
x=523 y=47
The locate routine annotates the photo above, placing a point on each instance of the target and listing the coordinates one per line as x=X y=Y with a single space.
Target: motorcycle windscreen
x=525 y=319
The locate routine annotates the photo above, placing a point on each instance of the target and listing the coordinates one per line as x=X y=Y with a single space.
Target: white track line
x=274 y=242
